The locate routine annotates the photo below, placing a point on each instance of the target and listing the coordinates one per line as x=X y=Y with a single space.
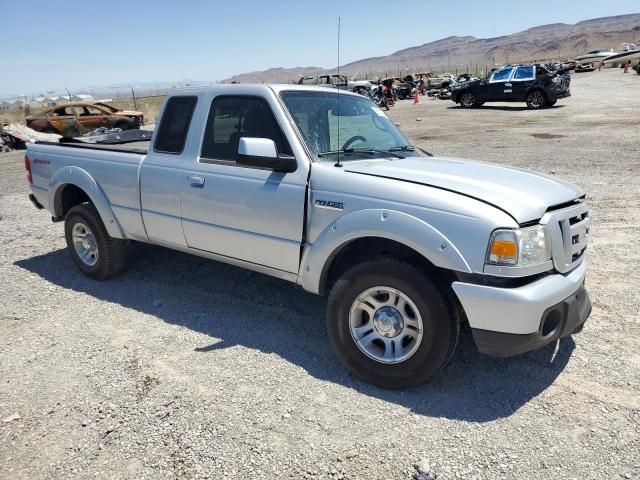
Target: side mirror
x=262 y=153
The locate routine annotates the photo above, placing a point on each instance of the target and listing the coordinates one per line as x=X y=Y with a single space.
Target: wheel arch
x=368 y=233
x=539 y=88
x=71 y=186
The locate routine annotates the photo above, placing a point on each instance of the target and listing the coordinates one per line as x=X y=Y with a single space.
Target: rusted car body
x=74 y=119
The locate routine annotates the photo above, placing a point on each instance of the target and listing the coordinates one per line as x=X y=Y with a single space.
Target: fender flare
x=392 y=225
x=80 y=178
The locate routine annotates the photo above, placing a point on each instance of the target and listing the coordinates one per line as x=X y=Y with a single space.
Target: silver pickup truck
x=318 y=187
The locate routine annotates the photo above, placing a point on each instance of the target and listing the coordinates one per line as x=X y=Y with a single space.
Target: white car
x=337 y=81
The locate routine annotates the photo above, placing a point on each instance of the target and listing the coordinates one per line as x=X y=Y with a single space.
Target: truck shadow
x=238 y=307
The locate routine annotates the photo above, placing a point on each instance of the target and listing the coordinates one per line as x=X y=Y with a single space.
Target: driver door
x=251 y=214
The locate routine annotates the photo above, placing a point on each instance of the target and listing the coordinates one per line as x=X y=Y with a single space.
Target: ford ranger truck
x=318 y=187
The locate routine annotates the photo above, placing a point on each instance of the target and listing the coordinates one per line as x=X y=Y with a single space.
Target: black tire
x=536 y=100
x=551 y=103
x=440 y=324
x=111 y=252
x=468 y=100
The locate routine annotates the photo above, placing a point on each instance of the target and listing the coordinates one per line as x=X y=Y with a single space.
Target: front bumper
x=508 y=321
x=561 y=320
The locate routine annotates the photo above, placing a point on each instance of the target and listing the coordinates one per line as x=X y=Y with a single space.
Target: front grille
x=569 y=231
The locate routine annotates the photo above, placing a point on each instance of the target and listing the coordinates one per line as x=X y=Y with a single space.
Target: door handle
x=196 y=182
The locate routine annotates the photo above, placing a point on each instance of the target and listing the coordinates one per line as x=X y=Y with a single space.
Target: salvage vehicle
x=401 y=88
x=319 y=187
x=595 y=56
x=337 y=81
x=538 y=85
x=73 y=119
x=434 y=80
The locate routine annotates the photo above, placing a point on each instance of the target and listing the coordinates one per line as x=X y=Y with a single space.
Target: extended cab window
x=174 y=125
x=524 y=73
x=233 y=117
x=502 y=75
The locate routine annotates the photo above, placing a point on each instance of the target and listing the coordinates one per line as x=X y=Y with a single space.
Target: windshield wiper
x=403 y=148
x=360 y=150
x=410 y=148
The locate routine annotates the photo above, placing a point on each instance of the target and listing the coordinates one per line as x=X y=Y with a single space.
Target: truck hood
x=523 y=194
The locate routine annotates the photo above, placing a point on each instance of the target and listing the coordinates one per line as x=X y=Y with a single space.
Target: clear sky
x=49 y=45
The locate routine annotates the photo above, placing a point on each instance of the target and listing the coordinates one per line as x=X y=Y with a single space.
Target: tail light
x=27 y=167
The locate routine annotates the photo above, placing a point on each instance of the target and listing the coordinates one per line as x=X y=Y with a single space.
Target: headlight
x=523 y=247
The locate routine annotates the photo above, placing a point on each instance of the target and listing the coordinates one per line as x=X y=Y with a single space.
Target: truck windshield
x=353 y=128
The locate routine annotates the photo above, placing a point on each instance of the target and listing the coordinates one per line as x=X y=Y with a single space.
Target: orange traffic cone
x=416 y=99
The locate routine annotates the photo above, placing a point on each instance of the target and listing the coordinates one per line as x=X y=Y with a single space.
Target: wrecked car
x=337 y=81
x=538 y=85
x=73 y=119
x=434 y=80
x=400 y=87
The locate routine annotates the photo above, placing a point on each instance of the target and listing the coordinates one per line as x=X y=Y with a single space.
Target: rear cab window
x=174 y=125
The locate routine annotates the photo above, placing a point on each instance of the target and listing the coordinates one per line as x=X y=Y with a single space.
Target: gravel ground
x=184 y=367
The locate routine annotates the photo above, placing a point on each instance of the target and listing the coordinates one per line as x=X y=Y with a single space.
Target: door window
x=501 y=75
x=525 y=73
x=233 y=117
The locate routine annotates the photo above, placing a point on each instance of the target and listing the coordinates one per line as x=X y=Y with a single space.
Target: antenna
x=338 y=162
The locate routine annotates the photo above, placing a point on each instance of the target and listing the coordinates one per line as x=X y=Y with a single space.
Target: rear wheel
x=96 y=254
x=468 y=100
x=536 y=100
x=390 y=325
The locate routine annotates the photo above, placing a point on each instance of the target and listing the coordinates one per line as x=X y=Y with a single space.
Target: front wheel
x=536 y=100
x=96 y=254
x=468 y=100
x=390 y=325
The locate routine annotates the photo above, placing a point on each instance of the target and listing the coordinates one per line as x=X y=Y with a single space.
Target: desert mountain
x=556 y=41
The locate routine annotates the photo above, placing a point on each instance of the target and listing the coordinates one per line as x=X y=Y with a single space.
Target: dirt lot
x=188 y=368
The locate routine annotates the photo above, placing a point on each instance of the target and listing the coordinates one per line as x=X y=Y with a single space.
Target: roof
x=71 y=104
x=249 y=88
